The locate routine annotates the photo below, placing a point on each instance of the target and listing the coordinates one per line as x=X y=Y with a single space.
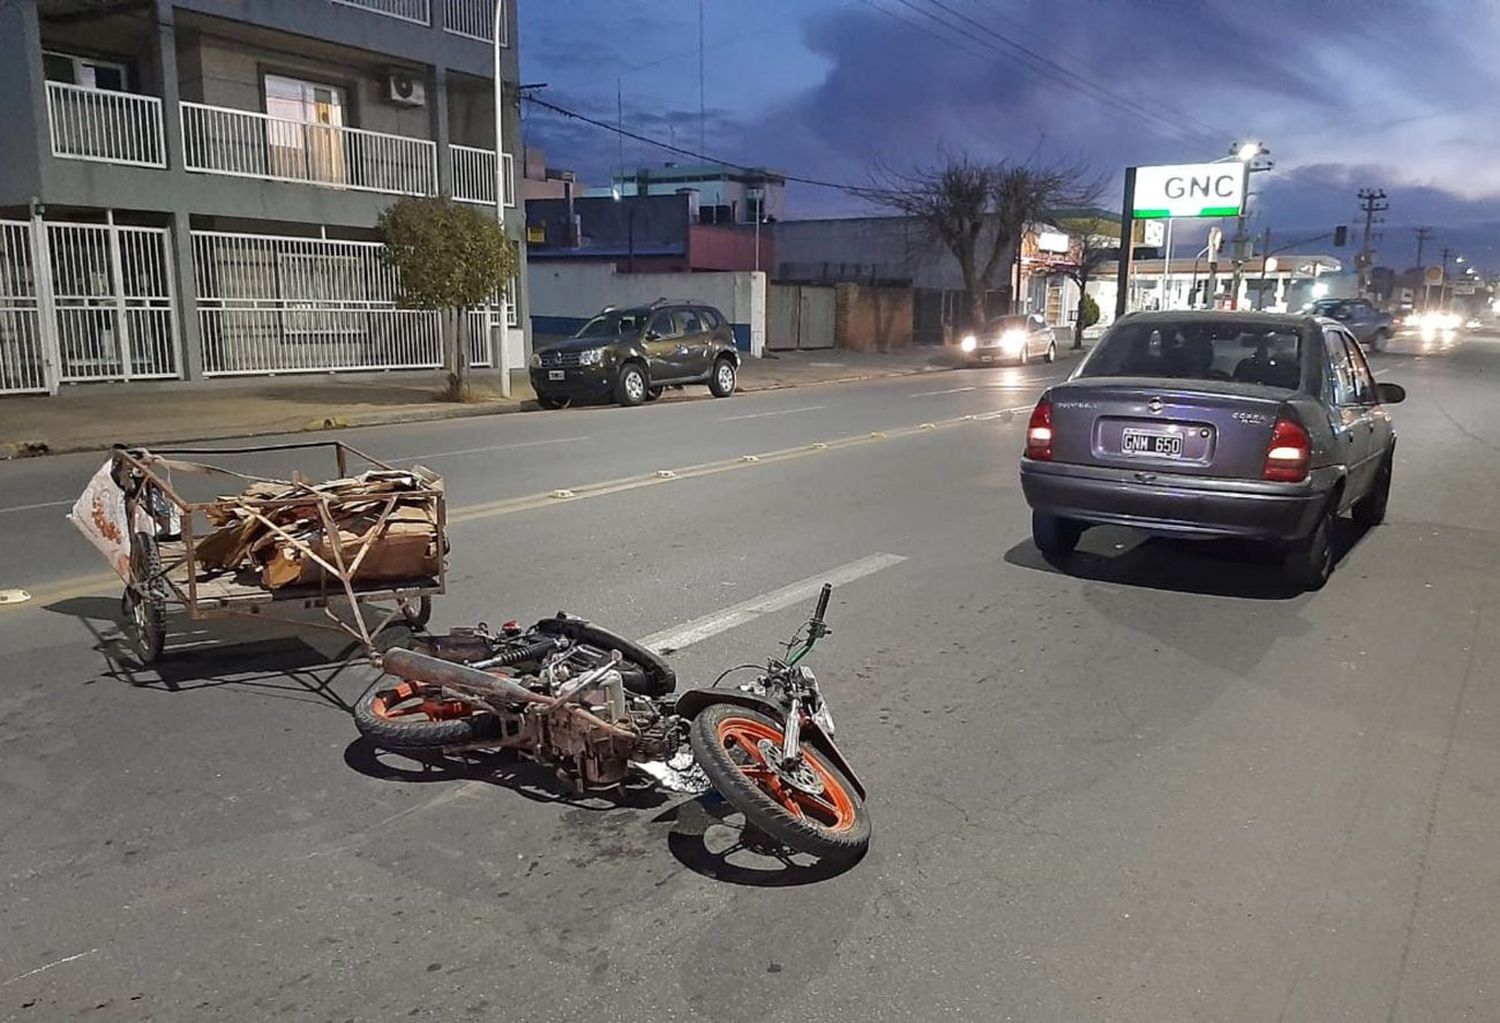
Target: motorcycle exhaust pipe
x=423 y=668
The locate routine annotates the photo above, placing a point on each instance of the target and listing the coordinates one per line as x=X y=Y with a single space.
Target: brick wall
x=872 y=319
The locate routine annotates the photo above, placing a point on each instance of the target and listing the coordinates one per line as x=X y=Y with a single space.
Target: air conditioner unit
x=404 y=90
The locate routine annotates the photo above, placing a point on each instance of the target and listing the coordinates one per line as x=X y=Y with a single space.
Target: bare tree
x=1093 y=244
x=979 y=211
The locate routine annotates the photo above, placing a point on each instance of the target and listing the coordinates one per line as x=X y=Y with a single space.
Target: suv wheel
x=724 y=378
x=1052 y=351
x=630 y=388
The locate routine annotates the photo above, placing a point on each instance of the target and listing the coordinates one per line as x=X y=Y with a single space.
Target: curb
x=38 y=448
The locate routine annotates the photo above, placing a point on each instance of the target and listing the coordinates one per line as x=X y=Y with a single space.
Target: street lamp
x=1248 y=151
x=500 y=193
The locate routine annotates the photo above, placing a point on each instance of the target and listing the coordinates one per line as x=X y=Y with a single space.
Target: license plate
x=556 y=374
x=1144 y=442
x=986 y=358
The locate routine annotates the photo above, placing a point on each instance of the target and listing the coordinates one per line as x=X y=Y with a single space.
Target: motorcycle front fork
x=791 y=743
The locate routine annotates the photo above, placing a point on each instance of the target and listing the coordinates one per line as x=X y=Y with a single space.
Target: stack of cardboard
x=401 y=544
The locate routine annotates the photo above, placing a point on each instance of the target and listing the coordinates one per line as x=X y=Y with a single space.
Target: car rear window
x=1266 y=353
x=710 y=317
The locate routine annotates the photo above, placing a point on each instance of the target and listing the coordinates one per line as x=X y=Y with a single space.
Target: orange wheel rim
x=831 y=810
x=412 y=699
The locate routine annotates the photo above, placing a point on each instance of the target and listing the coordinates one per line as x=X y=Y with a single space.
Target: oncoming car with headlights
x=1009 y=339
x=631 y=355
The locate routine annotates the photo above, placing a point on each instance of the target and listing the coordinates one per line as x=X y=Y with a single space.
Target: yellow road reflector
x=819 y=446
x=562 y=494
x=749 y=458
x=665 y=474
x=14 y=596
x=878 y=434
x=928 y=426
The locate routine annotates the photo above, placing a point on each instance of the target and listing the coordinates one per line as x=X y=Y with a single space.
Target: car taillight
x=1288 y=454
x=1039 y=432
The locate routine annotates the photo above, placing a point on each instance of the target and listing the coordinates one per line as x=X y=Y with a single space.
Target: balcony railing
x=474 y=176
x=110 y=127
x=243 y=143
x=417 y=11
x=475 y=19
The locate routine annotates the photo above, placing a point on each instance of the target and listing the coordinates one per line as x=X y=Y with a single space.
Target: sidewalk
x=94 y=416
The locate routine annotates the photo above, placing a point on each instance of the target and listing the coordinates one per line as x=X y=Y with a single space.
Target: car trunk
x=1206 y=428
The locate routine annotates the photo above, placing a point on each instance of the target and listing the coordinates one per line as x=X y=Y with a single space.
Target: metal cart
x=166 y=532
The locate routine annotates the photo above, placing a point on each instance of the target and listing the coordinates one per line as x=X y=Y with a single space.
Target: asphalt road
x=1160 y=787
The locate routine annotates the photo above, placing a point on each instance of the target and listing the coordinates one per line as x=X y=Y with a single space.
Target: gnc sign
x=1190 y=190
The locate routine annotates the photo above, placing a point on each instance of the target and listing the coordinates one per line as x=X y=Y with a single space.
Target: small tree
x=1093 y=245
x=980 y=211
x=451 y=258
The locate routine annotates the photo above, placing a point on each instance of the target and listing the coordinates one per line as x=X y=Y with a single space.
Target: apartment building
x=189 y=188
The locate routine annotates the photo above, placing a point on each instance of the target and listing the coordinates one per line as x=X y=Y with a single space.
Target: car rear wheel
x=723 y=380
x=630 y=387
x=1309 y=561
x=1055 y=536
x=1052 y=351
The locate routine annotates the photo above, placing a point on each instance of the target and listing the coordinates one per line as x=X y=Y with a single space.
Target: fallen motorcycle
x=560 y=698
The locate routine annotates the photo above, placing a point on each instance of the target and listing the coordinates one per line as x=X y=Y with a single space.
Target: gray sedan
x=1215 y=424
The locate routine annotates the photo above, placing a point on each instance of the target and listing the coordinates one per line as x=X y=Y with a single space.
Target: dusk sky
x=1395 y=94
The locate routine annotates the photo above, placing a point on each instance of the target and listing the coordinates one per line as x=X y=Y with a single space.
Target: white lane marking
x=43 y=969
x=34 y=507
x=492 y=447
x=700 y=629
x=780 y=412
x=929 y=394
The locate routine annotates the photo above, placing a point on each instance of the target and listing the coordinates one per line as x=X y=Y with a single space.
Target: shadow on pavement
x=210 y=655
x=502 y=769
x=1220 y=568
x=711 y=838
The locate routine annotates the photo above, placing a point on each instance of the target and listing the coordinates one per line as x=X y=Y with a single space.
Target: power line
x=680 y=151
x=1042 y=66
x=1021 y=28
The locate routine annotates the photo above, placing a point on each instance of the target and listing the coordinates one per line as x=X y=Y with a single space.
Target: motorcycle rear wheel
x=404 y=714
x=832 y=824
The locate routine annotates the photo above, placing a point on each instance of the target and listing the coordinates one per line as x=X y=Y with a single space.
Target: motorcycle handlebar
x=823 y=603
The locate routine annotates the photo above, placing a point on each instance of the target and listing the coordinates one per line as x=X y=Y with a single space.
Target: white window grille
x=416 y=11
x=475 y=19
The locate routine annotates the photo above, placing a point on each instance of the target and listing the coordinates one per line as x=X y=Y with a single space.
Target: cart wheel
x=145 y=602
x=419 y=615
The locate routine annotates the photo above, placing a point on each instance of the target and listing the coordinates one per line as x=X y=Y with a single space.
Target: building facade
x=719 y=195
x=643 y=234
x=190 y=188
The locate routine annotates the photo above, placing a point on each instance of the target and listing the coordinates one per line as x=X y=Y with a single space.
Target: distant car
x=1252 y=425
x=1370 y=327
x=1014 y=339
x=632 y=354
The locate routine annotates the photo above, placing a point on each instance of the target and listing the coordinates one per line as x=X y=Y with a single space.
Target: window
x=710 y=317
x=687 y=322
x=305 y=153
x=1246 y=350
x=663 y=326
x=85 y=71
x=1364 y=380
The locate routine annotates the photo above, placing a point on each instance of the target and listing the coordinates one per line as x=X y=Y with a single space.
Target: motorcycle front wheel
x=404 y=714
x=813 y=810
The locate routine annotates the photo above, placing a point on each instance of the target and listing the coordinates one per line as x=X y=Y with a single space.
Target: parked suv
x=1370 y=327
x=632 y=354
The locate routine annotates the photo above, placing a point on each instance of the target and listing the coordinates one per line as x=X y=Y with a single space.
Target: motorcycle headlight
x=969 y=343
x=591 y=357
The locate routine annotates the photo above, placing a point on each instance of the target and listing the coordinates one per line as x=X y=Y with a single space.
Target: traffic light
x=1340 y=236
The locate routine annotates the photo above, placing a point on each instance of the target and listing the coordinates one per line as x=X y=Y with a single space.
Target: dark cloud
x=1348 y=94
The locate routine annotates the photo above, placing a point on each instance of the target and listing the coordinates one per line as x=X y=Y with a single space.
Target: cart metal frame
x=166 y=572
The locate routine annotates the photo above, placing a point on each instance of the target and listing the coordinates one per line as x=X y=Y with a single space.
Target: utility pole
x=1423 y=233
x=1371 y=201
x=702 y=92
x=1443 y=287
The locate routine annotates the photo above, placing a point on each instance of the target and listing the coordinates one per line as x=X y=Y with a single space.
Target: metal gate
x=116 y=315
x=23 y=362
x=799 y=316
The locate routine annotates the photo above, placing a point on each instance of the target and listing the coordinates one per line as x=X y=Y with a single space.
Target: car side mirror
x=1390 y=394
x=652 y=335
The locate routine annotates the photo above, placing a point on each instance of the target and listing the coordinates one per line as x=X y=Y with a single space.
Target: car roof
x=1249 y=316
